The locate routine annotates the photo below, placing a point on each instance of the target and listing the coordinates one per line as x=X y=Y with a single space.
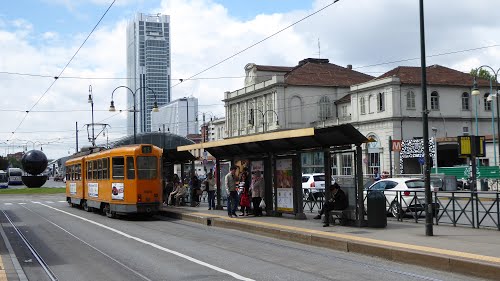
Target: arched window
x=487 y=103
x=465 y=101
x=296 y=110
x=380 y=102
x=325 y=108
x=434 y=101
x=362 y=105
x=410 y=100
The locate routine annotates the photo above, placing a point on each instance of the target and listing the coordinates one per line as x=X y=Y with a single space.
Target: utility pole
x=427 y=172
x=76 y=131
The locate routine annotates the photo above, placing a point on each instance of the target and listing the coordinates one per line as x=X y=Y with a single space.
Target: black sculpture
x=34 y=163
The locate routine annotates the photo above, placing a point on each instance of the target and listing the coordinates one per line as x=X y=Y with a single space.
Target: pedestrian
x=195 y=189
x=168 y=187
x=337 y=201
x=232 y=195
x=245 y=194
x=376 y=175
x=210 y=188
x=257 y=189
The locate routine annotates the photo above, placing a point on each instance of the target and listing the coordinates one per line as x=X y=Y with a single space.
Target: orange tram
x=118 y=181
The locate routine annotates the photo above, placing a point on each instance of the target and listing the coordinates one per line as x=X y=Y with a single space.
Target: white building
x=148 y=61
x=177 y=117
x=316 y=94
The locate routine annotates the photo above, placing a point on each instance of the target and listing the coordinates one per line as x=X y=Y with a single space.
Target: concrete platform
x=458 y=249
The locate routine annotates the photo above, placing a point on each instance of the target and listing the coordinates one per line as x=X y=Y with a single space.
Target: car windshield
x=319 y=178
x=415 y=184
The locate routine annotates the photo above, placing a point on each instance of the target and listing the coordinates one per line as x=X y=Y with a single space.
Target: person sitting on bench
x=338 y=201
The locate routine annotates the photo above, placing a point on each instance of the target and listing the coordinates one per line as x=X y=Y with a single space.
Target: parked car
x=314 y=182
x=60 y=178
x=403 y=195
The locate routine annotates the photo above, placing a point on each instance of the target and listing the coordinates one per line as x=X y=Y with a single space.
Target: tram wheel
x=107 y=211
x=86 y=207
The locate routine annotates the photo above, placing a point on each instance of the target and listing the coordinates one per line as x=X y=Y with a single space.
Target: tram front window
x=147 y=167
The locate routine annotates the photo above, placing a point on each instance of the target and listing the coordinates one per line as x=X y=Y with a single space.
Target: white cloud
x=203 y=33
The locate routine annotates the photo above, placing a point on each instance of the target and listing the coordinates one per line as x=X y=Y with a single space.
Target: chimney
x=313 y=60
x=349 y=66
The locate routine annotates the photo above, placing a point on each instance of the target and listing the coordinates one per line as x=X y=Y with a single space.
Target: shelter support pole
x=360 y=208
x=269 y=188
x=297 y=187
x=327 y=160
x=218 y=181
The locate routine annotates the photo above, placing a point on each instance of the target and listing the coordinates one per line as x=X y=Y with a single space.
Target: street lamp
x=477 y=92
x=91 y=101
x=112 y=106
x=251 y=120
x=489 y=99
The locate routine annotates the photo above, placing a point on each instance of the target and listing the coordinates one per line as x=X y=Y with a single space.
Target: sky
x=39 y=37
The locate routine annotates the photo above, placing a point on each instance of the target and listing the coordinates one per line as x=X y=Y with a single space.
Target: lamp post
x=492 y=104
x=112 y=106
x=91 y=101
x=476 y=91
x=251 y=120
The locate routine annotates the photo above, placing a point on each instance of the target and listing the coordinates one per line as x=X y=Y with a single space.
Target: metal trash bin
x=484 y=185
x=377 y=215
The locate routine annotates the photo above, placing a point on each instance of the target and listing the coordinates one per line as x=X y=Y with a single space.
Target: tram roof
x=282 y=141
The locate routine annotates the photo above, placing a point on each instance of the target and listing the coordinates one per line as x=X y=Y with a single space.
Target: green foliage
x=14 y=163
x=4 y=163
x=483 y=73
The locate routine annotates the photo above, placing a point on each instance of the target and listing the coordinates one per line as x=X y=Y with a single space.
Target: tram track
x=51 y=275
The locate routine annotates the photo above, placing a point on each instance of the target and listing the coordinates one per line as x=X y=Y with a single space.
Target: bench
x=343 y=216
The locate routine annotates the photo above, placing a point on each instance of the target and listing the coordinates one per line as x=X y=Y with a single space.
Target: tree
x=483 y=73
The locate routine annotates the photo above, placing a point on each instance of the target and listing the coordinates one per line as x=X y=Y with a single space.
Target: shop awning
x=281 y=141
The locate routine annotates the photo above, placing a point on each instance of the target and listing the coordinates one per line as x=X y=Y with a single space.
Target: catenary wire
x=64 y=68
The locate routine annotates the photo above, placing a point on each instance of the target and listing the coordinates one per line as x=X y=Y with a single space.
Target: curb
x=449 y=263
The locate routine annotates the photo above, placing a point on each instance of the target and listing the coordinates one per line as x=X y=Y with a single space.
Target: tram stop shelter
x=278 y=156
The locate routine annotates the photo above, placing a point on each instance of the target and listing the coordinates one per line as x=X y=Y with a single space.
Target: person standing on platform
x=257 y=189
x=210 y=188
x=232 y=194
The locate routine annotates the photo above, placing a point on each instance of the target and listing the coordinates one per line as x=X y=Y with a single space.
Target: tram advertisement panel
x=117 y=189
x=72 y=188
x=93 y=188
x=284 y=180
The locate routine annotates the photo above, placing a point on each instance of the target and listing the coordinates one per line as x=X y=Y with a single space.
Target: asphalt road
x=76 y=245
x=48 y=183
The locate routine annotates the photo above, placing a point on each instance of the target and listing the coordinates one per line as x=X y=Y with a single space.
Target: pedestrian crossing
x=32 y=202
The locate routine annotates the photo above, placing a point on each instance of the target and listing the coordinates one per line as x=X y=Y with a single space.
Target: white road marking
x=21 y=203
x=106 y=255
x=181 y=255
x=62 y=201
x=35 y=202
x=49 y=202
x=8 y=204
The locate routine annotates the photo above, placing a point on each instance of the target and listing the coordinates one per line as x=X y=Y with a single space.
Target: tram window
x=130 y=168
x=94 y=169
x=105 y=169
x=89 y=170
x=78 y=172
x=147 y=167
x=99 y=169
x=118 y=165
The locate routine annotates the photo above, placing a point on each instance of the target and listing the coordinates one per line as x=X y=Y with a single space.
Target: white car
x=403 y=195
x=314 y=183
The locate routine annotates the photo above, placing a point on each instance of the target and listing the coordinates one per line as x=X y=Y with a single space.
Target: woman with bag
x=257 y=188
x=245 y=196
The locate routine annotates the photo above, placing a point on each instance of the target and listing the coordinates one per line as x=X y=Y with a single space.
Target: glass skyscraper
x=148 y=67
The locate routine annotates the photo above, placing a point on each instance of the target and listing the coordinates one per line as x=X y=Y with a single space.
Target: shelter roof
x=282 y=141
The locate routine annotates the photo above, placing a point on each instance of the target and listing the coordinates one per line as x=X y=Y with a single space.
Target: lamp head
x=155 y=107
x=112 y=107
x=90 y=100
x=475 y=90
x=490 y=97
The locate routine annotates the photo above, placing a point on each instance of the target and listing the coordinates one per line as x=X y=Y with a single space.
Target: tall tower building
x=148 y=66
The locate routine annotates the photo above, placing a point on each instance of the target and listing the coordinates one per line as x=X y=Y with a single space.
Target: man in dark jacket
x=338 y=201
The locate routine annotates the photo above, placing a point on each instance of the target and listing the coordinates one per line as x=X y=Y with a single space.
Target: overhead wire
x=64 y=68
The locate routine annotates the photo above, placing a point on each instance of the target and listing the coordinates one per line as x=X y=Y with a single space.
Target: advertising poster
x=72 y=188
x=93 y=189
x=284 y=181
x=117 y=190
